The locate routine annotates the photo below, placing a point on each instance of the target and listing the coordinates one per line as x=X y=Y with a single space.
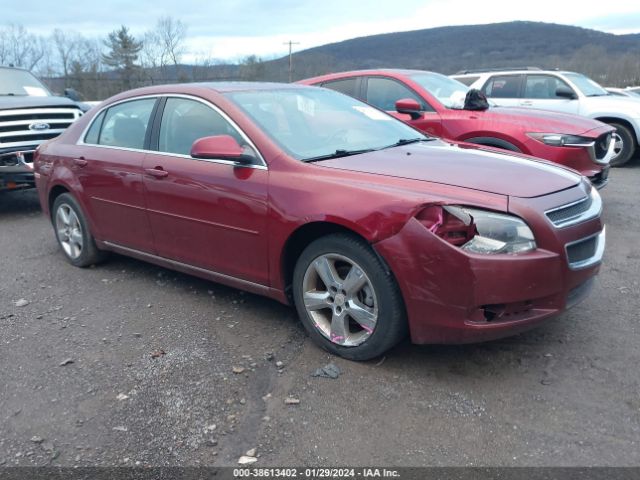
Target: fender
x=494 y=141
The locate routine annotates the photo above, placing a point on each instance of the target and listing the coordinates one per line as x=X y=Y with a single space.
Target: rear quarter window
x=94 y=131
x=348 y=86
x=466 y=80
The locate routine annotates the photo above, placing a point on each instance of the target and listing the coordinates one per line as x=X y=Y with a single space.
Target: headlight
x=478 y=231
x=561 y=140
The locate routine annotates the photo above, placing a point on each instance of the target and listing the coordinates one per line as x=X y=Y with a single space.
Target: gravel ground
x=131 y=364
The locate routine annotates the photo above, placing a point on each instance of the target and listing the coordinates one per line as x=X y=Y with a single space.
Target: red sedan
x=433 y=103
x=310 y=197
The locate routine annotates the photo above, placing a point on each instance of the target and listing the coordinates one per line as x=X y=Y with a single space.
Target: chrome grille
x=576 y=212
x=565 y=213
x=15 y=125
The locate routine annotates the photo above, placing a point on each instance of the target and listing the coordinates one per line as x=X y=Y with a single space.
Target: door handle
x=526 y=103
x=157 y=172
x=80 y=162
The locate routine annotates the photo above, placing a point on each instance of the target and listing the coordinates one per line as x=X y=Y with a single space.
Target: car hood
x=543 y=121
x=7 y=102
x=462 y=165
x=628 y=105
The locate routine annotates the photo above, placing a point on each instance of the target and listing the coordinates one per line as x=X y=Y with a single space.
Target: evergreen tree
x=123 y=53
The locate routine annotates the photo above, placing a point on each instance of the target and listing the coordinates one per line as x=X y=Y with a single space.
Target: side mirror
x=410 y=107
x=72 y=94
x=221 y=147
x=566 y=92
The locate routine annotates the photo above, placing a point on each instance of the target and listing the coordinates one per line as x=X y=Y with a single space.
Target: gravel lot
x=153 y=353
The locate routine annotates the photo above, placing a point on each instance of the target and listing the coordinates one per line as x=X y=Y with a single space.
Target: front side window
x=543 y=87
x=449 y=92
x=384 y=93
x=503 y=86
x=312 y=122
x=125 y=125
x=184 y=121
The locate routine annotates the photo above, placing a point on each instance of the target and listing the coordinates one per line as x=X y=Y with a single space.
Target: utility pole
x=290 y=43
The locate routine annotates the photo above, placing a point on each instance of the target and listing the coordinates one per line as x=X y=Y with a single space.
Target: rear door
x=206 y=213
x=504 y=90
x=540 y=92
x=109 y=169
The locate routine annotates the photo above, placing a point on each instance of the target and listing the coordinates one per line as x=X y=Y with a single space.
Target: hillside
x=449 y=49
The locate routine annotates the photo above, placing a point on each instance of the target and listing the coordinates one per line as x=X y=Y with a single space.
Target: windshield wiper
x=407 y=141
x=337 y=154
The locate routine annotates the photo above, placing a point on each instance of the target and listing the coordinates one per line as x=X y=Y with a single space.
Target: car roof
x=202 y=87
x=508 y=72
x=226 y=87
x=371 y=71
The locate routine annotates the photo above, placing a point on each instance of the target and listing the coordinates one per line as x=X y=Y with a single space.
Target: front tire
x=72 y=232
x=625 y=145
x=347 y=299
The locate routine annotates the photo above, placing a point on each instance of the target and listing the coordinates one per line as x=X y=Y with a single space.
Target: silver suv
x=562 y=91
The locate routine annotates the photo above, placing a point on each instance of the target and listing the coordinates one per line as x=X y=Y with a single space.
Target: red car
x=313 y=198
x=433 y=103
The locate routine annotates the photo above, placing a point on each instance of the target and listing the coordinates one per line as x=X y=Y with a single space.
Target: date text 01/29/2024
x=315 y=473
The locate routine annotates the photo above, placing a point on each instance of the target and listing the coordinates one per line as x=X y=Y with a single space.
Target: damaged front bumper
x=452 y=296
x=16 y=170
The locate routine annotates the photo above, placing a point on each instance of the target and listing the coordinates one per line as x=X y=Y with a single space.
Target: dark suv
x=29 y=115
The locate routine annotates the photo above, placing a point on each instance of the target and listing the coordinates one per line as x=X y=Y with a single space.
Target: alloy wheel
x=340 y=299
x=69 y=231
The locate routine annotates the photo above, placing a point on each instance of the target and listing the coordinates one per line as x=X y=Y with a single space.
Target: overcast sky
x=235 y=28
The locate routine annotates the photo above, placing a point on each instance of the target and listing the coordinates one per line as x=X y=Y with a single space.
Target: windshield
x=18 y=82
x=449 y=92
x=311 y=123
x=588 y=87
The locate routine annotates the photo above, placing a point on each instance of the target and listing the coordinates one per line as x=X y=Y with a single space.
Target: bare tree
x=171 y=34
x=65 y=45
x=20 y=48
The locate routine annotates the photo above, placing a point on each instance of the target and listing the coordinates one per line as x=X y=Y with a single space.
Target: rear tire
x=347 y=299
x=73 y=234
x=626 y=143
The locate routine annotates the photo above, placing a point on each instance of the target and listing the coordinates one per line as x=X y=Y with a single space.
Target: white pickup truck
x=562 y=91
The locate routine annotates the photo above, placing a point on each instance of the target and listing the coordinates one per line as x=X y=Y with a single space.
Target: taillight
x=455 y=229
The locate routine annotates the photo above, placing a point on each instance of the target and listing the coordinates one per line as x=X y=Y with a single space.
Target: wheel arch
x=610 y=119
x=54 y=193
x=300 y=238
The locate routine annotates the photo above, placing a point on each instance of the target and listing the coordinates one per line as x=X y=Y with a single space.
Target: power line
x=290 y=43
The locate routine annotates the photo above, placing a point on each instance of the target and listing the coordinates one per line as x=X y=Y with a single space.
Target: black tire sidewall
x=628 y=145
x=391 y=324
x=90 y=253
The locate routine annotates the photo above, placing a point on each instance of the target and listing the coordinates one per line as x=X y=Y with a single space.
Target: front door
x=540 y=92
x=207 y=213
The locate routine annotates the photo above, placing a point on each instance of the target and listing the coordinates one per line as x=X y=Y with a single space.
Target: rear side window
x=543 y=86
x=348 y=86
x=125 y=125
x=384 y=93
x=503 y=86
x=184 y=121
x=466 y=80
